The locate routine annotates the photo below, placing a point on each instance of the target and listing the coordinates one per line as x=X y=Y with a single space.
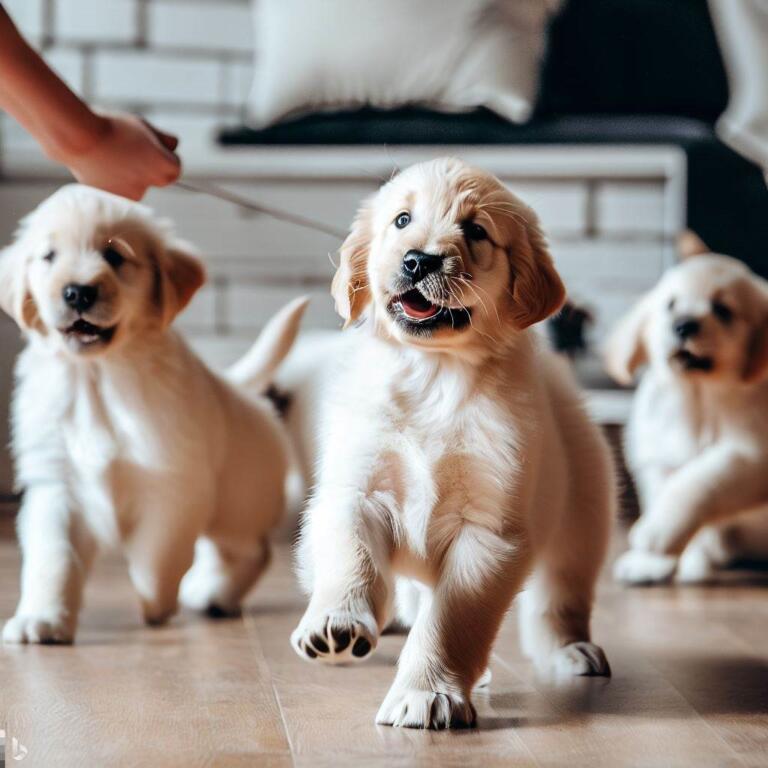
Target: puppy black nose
x=686 y=327
x=418 y=264
x=80 y=297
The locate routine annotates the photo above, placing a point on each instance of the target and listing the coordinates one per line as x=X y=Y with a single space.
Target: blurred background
x=604 y=115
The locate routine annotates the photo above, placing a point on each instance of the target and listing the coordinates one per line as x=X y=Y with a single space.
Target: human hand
x=126 y=157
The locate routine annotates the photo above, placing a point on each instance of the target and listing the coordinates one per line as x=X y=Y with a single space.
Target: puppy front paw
x=204 y=595
x=406 y=707
x=44 y=630
x=637 y=567
x=695 y=567
x=336 y=637
x=580 y=659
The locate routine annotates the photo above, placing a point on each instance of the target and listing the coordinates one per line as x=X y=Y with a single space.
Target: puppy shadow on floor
x=710 y=685
x=720 y=685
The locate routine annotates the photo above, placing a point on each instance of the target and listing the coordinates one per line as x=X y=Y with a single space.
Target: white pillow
x=448 y=55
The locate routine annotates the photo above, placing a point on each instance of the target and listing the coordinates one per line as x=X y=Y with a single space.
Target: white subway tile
x=97 y=21
x=68 y=64
x=561 y=205
x=28 y=15
x=238 y=77
x=13 y=136
x=219 y=352
x=201 y=25
x=631 y=208
x=153 y=78
x=17 y=200
x=249 y=305
x=200 y=315
x=223 y=231
x=608 y=263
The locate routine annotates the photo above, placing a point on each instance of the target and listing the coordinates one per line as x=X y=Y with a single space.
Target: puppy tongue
x=416 y=306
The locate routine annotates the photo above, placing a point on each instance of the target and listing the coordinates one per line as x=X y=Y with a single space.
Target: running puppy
x=456 y=462
x=121 y=435
x=697 y=438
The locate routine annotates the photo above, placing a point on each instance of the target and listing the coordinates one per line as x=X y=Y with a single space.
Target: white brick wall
x=183 y=63
x=156 y=78
x=562 y=206
x=69 y=64
x=177 y=23
x=186 y=65
x=96 y=21
x=629 y=208
x=29 y=16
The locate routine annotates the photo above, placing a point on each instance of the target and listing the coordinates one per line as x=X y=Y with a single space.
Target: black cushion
x=417 y=126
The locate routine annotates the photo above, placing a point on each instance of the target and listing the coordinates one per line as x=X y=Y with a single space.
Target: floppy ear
x=689 y=244
x=15 y=298
x=350 y=289
x=181 y=274
x=537 y=290
x=756 y=367
x=625 y=348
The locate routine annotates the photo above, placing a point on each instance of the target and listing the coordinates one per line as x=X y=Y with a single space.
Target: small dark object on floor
x=217 y=612
x=281 y=400
x=566 y=329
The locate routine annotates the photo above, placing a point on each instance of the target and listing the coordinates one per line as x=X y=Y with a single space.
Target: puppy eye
x=722 y=312
x=114 y=258
x=402 y=220
x=50 y=256
x=475 y=232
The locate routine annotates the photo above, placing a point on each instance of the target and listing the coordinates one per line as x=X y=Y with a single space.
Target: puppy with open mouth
x=455 y=463
x=696 y=441
x=121 y=435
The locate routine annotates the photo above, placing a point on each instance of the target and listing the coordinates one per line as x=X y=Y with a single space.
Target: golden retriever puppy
x=121 y=435
x=455 y=460
x=697 y=438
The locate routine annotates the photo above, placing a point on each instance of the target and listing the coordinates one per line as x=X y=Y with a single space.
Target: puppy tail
x=257 y=367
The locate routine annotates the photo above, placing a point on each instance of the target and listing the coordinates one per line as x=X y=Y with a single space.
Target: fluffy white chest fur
x=434 y=443
x=697 y=451
x=112 y=431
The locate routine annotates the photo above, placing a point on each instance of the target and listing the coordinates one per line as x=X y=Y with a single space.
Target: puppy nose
x=80 y=297
x=686 y=327
x=418 y=264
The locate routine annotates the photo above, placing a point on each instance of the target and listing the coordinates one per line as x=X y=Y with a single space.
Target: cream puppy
x=455 y=460
x=697 y=438
x=121 y=435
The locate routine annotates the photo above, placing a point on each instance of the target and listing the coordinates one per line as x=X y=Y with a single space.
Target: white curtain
x=742 y=31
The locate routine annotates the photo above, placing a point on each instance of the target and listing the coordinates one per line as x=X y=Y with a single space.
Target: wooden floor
x=690 y=688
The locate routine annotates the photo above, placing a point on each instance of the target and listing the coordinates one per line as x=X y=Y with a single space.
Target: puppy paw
x=415 y=708
x=580 y=659
x=653 y=533
x=635 y=567
x=157 y=613
x=336 y=637
x=203 y=596
x=45 y=630
x=695 y=567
